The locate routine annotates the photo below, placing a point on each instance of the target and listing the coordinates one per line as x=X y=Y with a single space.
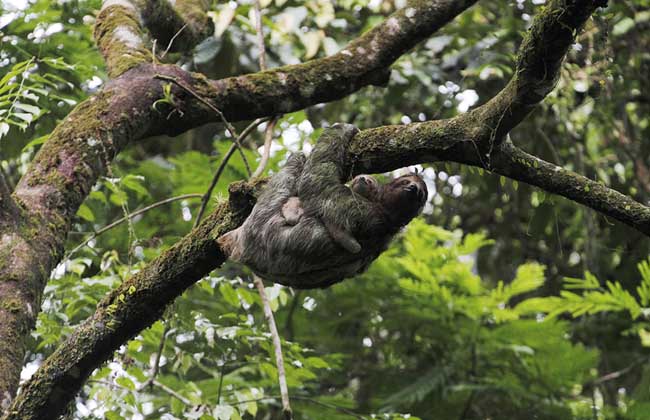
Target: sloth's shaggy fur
x=308 y=229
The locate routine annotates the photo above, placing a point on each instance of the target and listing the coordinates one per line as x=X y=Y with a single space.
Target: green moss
x=11 y=305
x=119 y=56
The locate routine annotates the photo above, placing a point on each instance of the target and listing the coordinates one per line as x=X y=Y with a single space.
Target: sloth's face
x=366 y=186
x=405 y=196
x=410 y=187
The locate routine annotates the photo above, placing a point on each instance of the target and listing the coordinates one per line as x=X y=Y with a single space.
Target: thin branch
x=111 y=384
x=171 y=41
x=268 y=312
x=160 y=385
x=156 y=364
x=173 y=393
x=616 y=374
x=128 y=217
x=550 y=146
x=266 y=152
x=221 y=373
x=231 y=129
x=277 y=346
x=222 y=166
x=268 y=133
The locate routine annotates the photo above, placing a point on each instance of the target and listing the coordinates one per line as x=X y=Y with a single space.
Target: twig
x=556 y=157
x=616 y=374
x=134 y=391
x=111 y=384
x=224 y=161
x=156 y=364
x=594 y=408
x=231 y=129
x=171 y=41
x=221 y=372
x=127 y=217
x=277 y=346
x=173 y=393
x=268 y=139
x=268 y=133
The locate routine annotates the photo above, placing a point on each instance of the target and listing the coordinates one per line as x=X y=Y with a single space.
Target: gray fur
x=308 y=229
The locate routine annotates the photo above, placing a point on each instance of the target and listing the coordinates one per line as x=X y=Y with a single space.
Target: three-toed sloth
x=308 y=229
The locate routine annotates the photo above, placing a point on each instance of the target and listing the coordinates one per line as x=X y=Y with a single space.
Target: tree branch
x=129 y=217
x=277 y=347
x=133 y=306
x=181 y=24
x=119 y=36
x=539 y=59
x=363 y=62
x=514 y=163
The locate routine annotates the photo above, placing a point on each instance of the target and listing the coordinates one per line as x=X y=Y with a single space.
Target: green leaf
x=229 y=294
x=36 y=142
x=529 y=277
x=125 y=382
x=86 y=213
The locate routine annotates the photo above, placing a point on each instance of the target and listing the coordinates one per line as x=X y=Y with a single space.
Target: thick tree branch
x=539 y=59
x=183 y=21
x=514 y=163
x=119 y=36
x=363 y=62
x=386 y=148
x=133 y=306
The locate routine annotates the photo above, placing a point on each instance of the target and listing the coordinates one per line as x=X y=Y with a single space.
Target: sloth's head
x=404 y=197
x=366 y=186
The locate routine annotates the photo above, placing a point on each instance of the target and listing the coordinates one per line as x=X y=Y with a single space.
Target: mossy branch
x=120 y=37
x=539 y=60
x=179 y=25
x=133 y=306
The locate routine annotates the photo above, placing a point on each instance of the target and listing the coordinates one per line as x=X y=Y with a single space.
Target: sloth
x=309 y=230
x=364 y=185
